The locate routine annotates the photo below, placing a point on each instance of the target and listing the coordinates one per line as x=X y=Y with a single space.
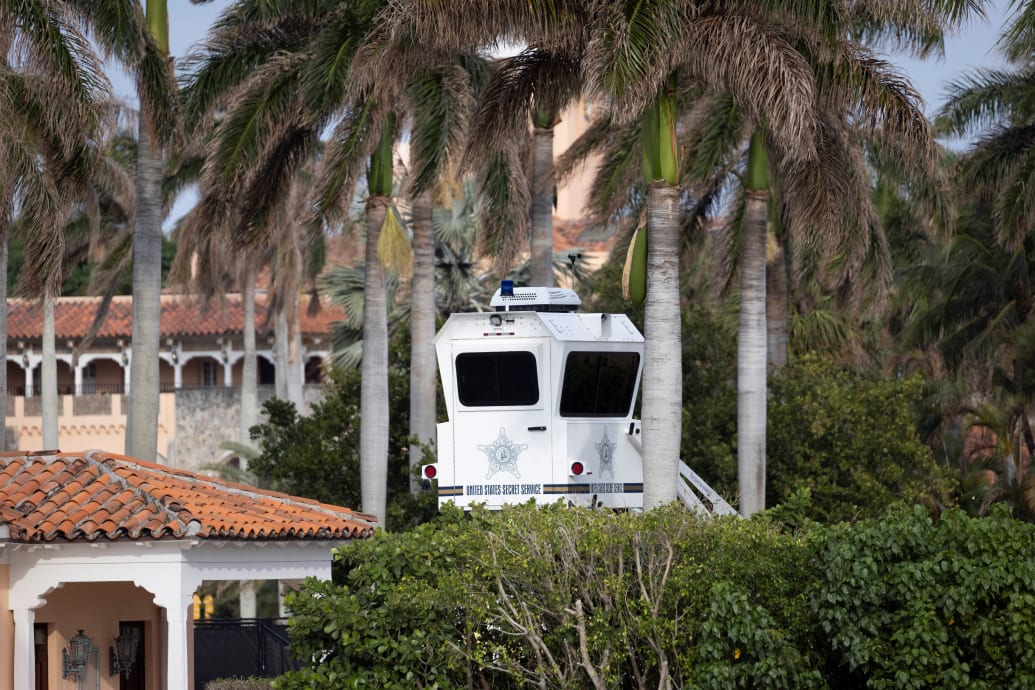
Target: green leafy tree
x=912 y=601
x=853 y=440
x=317 y=455
x=273 y=77
x=573 y=598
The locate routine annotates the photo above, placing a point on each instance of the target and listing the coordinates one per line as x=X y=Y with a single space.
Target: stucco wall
x=208 y=417
x=6 y=632
x=79 y=432
x=96 y=608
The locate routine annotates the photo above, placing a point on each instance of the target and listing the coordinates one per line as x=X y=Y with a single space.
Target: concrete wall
x=208 y=417
x=97 y=608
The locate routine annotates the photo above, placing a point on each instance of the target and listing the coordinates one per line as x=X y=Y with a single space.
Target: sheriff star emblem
x=503 y=455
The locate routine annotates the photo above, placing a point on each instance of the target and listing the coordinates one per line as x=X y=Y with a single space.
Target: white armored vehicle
x=540 y=401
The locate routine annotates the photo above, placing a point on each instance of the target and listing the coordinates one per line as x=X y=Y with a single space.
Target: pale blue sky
x=973 y=47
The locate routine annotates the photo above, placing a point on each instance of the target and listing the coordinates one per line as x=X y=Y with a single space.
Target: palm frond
x=346 y=157
x=440 y=102
x=984 y=98
x=505 y=221
x=767 y=77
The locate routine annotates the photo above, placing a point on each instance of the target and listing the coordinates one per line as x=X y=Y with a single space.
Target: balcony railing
x=91 y=389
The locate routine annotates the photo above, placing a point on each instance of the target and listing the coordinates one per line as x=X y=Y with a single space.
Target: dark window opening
x=599 y=384
x=267 y=372
x=42 y=662
x=493 y=379
x=136 y=679
x=314 y=370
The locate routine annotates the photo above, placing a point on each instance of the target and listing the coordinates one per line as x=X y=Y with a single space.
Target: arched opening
x=314 y=369
x=202 y=372
x=267 y=372
x=102 y=611
x=15 y=379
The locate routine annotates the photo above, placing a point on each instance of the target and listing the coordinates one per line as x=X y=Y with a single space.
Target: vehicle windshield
x=599 y=384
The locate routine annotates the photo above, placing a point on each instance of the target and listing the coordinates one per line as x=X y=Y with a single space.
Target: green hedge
x=567 y=598
x=239 y=684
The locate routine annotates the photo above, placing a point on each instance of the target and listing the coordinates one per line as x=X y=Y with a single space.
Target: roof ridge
x=242 y=489
x=189 y=527
x=143 y=500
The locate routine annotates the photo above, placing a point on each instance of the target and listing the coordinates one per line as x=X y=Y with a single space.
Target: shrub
x=910 y=602
x=240 y=684
x=573 y=598
x=567 y=598
x=852 y=439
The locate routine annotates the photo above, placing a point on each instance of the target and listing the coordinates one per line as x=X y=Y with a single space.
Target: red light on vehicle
x=430 y=471
x=577 y=468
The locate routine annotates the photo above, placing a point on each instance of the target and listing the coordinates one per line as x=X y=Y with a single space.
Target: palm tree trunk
x=776 y=301
x=422 y=333
x=295 y=364
x=48 y=376
x=142 y=415
x=142 y=398
x=281 y=346
x=249 y=414
x=249 y=374
x=542 y=208
x=3 y=324
x=373 y=427
x=663 y=365
x=751 y=336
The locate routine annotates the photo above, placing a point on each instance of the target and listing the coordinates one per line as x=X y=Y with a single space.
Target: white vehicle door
x=501 y=426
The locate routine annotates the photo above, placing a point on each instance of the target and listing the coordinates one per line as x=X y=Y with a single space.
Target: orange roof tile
x=182 y=315
x=97 y=495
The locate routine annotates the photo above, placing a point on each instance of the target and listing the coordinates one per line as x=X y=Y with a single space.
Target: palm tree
x=439 y=97
x=993 y=104
x=143 y=394
x=290 y=83
x=422 y=334
x=853 y=91
x=268 y=67
x=628 y=58
x=55 y=33
x=531 y=87
x=57 y=101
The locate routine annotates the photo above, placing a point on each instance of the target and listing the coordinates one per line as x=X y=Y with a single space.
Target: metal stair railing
x=706 y=500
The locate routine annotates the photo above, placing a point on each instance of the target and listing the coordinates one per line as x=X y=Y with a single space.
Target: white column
x=24 y=649
x=29 y=385
x=78 y=370
x=177 y=670
x=247 y=599
x=127 y=359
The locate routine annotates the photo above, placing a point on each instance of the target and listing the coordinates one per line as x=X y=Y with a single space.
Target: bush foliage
x=852 y=439
x=239 y=684
x=317 y=455
x=570 y=598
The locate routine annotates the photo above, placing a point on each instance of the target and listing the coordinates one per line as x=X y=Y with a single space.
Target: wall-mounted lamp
x=76 y=657
x=124 y=652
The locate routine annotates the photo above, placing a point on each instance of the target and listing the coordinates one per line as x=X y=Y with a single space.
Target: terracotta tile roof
x=181 y=316
x=569 y=234
x=95 y=495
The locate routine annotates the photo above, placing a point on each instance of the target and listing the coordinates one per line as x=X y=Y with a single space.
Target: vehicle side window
x=599 y=384
x=495 y=379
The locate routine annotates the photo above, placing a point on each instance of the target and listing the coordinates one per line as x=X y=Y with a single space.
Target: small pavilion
x=93 y=542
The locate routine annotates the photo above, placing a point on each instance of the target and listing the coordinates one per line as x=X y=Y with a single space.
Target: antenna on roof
x=506 y=292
